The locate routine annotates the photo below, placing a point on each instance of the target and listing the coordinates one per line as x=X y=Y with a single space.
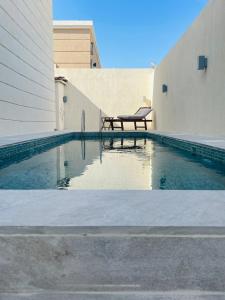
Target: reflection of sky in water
x=113 y=164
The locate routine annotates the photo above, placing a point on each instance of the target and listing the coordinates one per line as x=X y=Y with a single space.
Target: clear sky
x=132 y=33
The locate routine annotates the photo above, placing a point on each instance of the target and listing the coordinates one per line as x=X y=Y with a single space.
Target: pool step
x=141 y=261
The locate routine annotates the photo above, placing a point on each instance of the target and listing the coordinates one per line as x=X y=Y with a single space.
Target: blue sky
x=132 y=33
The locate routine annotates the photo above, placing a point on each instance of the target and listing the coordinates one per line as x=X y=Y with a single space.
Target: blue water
x=113 y=164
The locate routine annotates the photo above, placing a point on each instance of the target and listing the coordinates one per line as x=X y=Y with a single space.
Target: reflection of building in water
x=60 y=163
x=77 y=155
x=120 y=164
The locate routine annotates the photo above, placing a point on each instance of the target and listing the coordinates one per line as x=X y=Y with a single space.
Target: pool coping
x=112 y=208
x=186 y=143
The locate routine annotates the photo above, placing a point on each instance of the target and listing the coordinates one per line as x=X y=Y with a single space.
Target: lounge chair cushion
x=130 y=117
x=139 y=115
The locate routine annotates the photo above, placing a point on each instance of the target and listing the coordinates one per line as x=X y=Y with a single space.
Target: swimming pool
x=132 y=163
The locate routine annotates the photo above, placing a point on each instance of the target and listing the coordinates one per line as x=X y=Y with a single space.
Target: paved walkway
x=8 y=140
x=218 y=142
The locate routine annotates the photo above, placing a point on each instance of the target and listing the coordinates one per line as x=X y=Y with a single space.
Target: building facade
x=75 y=45
x=27 y=95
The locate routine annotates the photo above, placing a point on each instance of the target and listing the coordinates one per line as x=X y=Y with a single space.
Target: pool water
x=138 y=164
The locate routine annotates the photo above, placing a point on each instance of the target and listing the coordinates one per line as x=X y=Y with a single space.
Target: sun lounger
x=138 y=117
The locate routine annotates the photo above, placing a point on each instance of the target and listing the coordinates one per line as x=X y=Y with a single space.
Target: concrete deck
x=112 y=208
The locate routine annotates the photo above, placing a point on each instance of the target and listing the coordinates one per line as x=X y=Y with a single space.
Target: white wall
x=114 y=91
x=78 y=102
x=195 y=102
x=27 y=101
x=60 y=113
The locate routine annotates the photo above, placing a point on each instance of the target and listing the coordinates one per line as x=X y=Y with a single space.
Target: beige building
x=75 y=45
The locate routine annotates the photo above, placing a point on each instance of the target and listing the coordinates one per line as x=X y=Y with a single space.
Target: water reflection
x=112 y=164
x=113 y=144
x=109 y=168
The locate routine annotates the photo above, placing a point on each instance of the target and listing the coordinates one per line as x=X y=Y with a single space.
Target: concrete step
x=112 y=260
x=114 y=296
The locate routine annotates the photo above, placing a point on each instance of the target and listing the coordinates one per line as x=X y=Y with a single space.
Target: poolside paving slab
x=214 y=141
x=15 y=139
x=112 y=208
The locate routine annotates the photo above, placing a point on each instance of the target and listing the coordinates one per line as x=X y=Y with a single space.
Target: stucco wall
x=195 y=102
x=114 y=91
x=26 y=67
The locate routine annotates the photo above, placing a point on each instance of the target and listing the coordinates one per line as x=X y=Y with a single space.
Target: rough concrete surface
x=112 y=262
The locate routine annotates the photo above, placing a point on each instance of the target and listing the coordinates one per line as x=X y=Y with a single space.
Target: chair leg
x=103 y=125
x=145 y=125
x=112 y=126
